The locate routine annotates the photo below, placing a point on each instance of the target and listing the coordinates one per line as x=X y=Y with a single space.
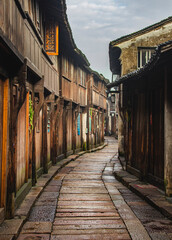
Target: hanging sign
x=51 y=38
x=79 y=125
x=90 y=124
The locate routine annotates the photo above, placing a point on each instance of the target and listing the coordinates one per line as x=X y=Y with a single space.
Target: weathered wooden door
x=21 y=147
x=4 y=123
x=39 y=141
x=1 y=125
x=156 y=150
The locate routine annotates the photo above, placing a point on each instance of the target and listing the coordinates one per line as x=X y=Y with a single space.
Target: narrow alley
x=85 y=201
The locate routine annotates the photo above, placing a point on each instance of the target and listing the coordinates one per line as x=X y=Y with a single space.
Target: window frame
x=149 y=51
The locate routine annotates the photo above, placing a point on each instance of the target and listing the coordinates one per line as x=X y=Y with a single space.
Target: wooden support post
x=4 y=142
x=73 y=130
x=12 y=157
x=37 y=108
x=92 y=129
x=103 y=119
x=81 y=129
x=54 y=130
x=59 y=117
x=44 y=145
x=88 y=128
x=98 y=127
x=38 y=100
x=65 y=131
x=27 y=137
x=34 y=177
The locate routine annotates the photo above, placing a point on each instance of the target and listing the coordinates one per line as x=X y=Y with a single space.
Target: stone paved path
x=89 y=204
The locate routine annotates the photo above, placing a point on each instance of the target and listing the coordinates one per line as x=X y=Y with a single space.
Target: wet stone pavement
x=85 y=201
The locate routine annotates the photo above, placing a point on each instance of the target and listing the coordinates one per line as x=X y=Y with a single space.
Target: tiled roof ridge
x=140 y=32
x=139 y=72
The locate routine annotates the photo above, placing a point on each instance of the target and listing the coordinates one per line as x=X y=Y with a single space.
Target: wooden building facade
x=96 y=109
x=132 y=52
x=43 y=95
x=145 y=104
x=148 y=128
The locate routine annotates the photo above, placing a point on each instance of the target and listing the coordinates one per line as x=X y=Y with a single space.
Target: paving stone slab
x=92 y=237
x=89 y=231
x=50 y=194
x=37 y=227
x=83 y=184
x=137 y=230
x=86 y=206
x=33 y=237
x=86 y=222
x=11 y=227
x=83 y=203
x=72 y=210
x=81 y=176
x=51 y=188
x=42 y=214
x=7 y=237
x=160 y=236
x=55 y=183
x=2 y=214
x=87 y=214
x=117 y=225
x=85 y=190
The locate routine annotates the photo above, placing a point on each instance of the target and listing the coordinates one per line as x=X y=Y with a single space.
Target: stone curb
x=146 y=191
x=133 y=225
x=22 y=213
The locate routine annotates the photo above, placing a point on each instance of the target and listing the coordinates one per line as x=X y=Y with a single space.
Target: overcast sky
x=95 y=23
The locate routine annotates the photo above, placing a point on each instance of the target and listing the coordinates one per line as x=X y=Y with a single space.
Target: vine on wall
x=31 y=114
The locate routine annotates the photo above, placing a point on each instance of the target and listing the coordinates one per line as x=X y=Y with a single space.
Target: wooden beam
x=44 y=145
x=4 y=142
x=65 y=131
x=54 y=119
x=12 y=157
x=27 y=137
x=73 y=130
x=88 y=128
x=81 y=130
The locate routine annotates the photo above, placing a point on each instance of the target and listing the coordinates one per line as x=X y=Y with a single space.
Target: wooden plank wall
x=5 y=123
x=75 y=96
x=144 y=131
x=95 y=98
x=27 y=138
x=1 y=127
x=39 y=142
x=21 y=147
x=66 y=88
x=21 y=34
x=32 y=47
x=14 y=19
x=51 y=76
x=60 y=136
x=156 y=162
x=69 y=129
x=83 y=97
